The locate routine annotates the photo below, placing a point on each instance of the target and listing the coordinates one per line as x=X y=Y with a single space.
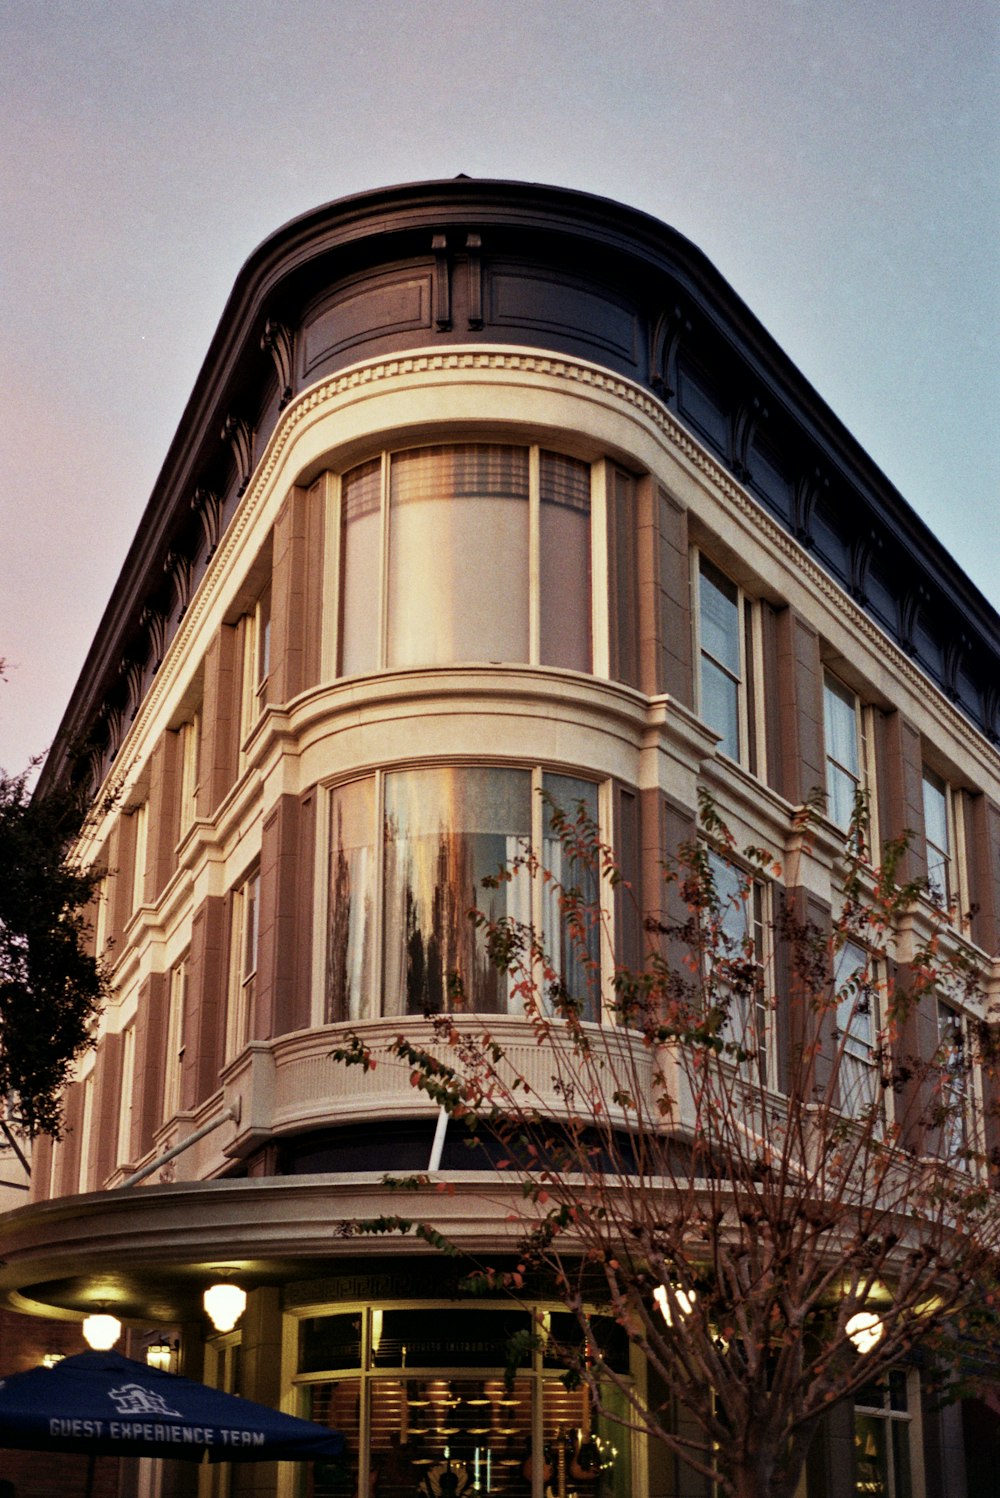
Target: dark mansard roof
x=466 y=261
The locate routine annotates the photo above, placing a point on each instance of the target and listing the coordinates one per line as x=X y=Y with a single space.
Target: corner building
x=483 y=488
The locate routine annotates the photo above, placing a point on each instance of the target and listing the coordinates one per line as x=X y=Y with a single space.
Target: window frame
x=126 y=1096
x=755 y=897
x=140 y=848
x=865 y=779
x=898 y=1485
x=749 y=681
x=190 y=772
x=255 y=665
x=596 y=606
x=866 y=1066
x=174 y=1045
x=948 y=896
x=949 y=1015
x=244 y=956
x=373 y=1008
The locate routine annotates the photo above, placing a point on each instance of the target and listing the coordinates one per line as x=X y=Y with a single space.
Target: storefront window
x=882 y=1424
x=429 y=1412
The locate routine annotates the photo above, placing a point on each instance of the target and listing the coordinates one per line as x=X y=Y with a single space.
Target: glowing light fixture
x=101 y=1331
x=160 y=1354
x=50 y=1359
x=224 y=1305
x=865 y=1330
x=684 y=1301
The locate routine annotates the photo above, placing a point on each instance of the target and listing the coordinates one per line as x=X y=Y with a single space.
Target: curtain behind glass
x=444 y=830
x=360 y=525
x=458 y=555
x=564 y=523
x=576 y=961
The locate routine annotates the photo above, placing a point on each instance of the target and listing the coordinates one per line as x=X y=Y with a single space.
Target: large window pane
x=349 y=937
x=719 y=625
x=565 y=562
x=843 y=758
x=458 y=555
x=360 y=509
x=445 y=830
x=575 y=954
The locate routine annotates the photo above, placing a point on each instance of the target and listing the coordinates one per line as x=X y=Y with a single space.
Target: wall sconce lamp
x=865 y=1329
x=50 y=1359
x=224 y=1305
x=161 y=1353
x=101 y=1331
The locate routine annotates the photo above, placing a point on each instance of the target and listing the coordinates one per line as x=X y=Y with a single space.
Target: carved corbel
x=114 y=717
x=750 y=415
x=133 y=673
x=442 y=283
x=208 y=507
x=957 y=652
x=867 y=544
x=156 y=624
x=671 y=329
x=276 y=339
x=914 y=600
x=239 y=434
x=178 y=567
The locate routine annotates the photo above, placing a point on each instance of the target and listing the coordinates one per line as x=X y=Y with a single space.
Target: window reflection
x=351 y=920
x=445 y=830
x=575 y=950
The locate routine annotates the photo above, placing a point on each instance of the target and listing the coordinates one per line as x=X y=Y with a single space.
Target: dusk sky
x=837 y=160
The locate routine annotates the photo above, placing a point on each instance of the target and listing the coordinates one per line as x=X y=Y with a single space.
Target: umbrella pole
x=88 y=1490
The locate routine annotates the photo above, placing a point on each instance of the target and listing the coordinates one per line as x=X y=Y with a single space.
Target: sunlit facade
x=484 y=490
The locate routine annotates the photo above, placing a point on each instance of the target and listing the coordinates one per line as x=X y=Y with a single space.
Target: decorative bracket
x=155 y=622
x=208 y=507
x=178 y=568
x=239 y=434
x=277 y=340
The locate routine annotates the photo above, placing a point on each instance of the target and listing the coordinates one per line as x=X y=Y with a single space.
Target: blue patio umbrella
x=101 y=1403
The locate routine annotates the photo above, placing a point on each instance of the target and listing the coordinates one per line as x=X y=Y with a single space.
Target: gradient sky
x=837 y=160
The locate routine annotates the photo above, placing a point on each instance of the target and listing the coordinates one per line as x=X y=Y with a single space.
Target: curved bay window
x=471 y=552
x=409 y=850
x=420 y=1396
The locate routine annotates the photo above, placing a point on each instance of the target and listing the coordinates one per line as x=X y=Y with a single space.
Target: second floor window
x=741 y=946
x=954 y=1097
x=857 y=1026
x=409 y=850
